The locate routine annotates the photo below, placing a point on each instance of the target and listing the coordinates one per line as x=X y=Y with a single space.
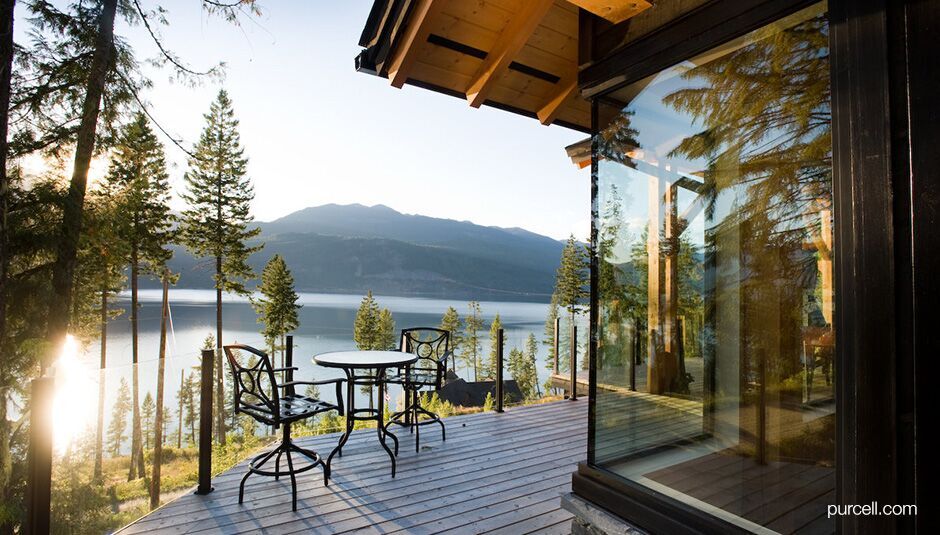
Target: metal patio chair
x=433 y=349
x=259 y=395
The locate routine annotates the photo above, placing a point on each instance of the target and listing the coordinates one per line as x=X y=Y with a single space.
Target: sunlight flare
x=74 y=403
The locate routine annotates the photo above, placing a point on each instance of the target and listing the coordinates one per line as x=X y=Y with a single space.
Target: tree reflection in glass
x=714 y=271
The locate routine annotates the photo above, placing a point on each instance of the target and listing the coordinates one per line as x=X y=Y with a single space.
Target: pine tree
x=147 y=411
x=452 y=324
x=216 y=224
x=277 y=308
x=518 y=368
x=571 y=287
x=473 y=324
x=489 y=369
x=122 y=405
x=101 y=272
x=549 y=331
x=385 y=337
x=365 y=327
x=374 y=329
x=529 y=372
x=137 y=180
x=190 y=403
x=571 y=278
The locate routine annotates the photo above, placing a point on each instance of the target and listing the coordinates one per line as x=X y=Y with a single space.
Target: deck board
x=495 y=472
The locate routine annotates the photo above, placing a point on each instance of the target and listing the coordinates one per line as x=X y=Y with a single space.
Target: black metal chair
x=433 y=349
x=258 y=395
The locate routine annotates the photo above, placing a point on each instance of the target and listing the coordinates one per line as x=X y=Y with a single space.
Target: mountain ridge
x=354 y=248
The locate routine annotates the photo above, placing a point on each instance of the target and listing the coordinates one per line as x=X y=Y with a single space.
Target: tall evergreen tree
x=277 y=308
x=489 y=369
x=374 y=328
x=365 y=327
x=531 y=374
x=122 y=405
x=385 y=338
x=102 y=259
x=147 y=412
x=549 y=331
x=571 y=278
x=473 y=324
x=216 y=224
x=571 y=282
x=522 y=368
x=452 y=324
x=138 y=181
x=189 y=401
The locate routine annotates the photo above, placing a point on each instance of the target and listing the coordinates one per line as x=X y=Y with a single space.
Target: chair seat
x=416 y=378
x=292 y=407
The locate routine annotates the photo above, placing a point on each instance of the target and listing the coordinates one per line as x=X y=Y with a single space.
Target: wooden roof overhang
x=517 y=55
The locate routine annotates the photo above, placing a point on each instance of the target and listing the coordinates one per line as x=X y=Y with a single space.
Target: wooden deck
x=496 y=473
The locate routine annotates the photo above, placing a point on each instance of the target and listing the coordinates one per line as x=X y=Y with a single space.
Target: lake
x=326 y=324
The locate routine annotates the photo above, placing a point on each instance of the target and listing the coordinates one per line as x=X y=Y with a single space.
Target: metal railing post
x=499 y=370
x=39 y=482
x=205 y=424
x=574 y=362
x=289 y=362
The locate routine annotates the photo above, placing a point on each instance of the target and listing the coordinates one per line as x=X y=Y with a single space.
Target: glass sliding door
x=714 y=280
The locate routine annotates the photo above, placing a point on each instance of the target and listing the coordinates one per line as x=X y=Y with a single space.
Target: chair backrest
x=250 y=382
x=432 y=346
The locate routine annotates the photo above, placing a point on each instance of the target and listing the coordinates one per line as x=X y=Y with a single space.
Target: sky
x=318 y=132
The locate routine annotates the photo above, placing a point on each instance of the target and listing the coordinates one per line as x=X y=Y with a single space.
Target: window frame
x=872 y=365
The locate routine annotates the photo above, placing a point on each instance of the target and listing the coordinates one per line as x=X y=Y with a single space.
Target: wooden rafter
x=566 y=87
x=613 y=10
x=416 y=35
x=510 y=41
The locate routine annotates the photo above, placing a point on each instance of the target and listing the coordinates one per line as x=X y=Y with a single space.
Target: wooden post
x=499 y=370
x=39 y=478
x=573 y=362
x=205 y=424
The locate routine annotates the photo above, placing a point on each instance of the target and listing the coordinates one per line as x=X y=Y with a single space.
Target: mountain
x=355 y=248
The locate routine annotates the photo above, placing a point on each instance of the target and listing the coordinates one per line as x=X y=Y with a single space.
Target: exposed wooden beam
x=510 y=41
x=415 y=36
x=613 y=10
x=566 y=88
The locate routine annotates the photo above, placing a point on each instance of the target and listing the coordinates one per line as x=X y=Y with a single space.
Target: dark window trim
x=874 y=366
x=698 y=31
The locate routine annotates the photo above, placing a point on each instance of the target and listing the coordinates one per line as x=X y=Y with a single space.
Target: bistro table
x=365 y=368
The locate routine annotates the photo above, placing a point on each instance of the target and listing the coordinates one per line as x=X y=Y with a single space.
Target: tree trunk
x=158 y=419
x=137 y=450
x=63 y=269
x=179 y=434
x=6 y=70
x=99 y=430
x=219 y=382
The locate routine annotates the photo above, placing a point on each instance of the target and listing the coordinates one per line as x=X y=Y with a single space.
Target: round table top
x=364 y=359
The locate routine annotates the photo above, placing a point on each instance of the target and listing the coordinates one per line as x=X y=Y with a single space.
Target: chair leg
x=293 y=482
x=277 y=464
x=241 y=487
